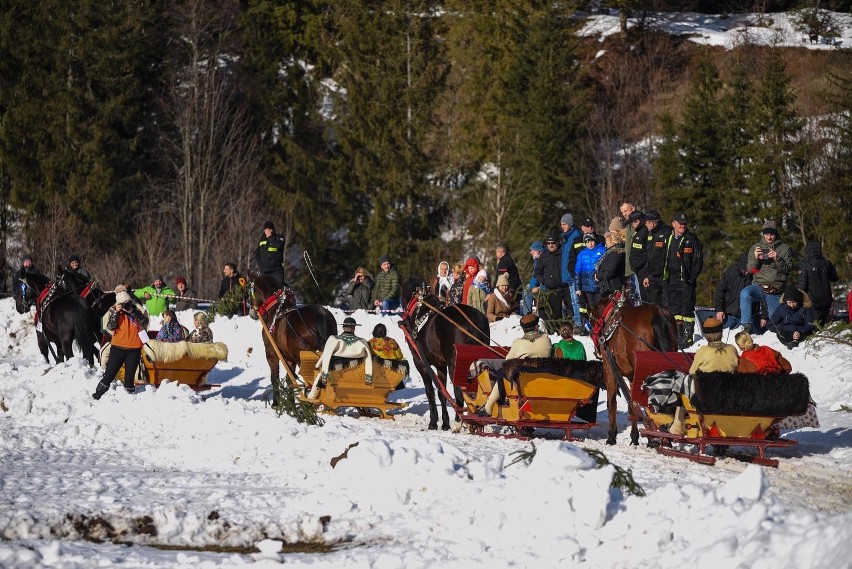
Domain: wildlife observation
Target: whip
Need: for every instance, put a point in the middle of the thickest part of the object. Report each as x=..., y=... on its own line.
x=309, y=264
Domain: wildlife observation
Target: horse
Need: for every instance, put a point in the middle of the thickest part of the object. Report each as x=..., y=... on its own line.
x=293, y=328
x=637, y=328
x=62, y=316
x=96, y=298
x=434, y=330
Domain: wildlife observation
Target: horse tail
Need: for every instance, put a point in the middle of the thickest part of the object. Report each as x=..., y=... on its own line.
x=664, y=339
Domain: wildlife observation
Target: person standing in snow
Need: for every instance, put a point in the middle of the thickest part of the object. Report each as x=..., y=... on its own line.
x=816, y=273
x=125, y=321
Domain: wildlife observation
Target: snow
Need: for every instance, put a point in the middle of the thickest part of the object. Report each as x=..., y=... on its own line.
x=173, y=478
x=725, y=31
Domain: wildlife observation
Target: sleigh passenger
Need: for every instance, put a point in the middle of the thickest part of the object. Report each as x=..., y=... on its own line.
x=344, y=345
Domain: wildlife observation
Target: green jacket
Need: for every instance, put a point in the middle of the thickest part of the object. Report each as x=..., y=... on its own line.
x=771, y=272
x=158, y=302
x=569, y=350
x=387, y=285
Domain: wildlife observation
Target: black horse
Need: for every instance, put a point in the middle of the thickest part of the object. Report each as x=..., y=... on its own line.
x=434, y=331
x=62, y=318
x=293, y=329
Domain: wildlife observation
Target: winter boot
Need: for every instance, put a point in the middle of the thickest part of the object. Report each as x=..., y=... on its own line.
x=747, y=328
x=688, y=334
x=314, y=393
x=100, y=390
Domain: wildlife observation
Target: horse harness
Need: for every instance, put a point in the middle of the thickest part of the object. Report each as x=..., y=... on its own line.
x=275, y=299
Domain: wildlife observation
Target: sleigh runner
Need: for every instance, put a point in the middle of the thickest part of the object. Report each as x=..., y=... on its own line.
x=346, y=386
x=722, y=410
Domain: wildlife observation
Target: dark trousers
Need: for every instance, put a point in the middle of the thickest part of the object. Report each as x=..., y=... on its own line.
x=118, y=356
x=681, y=300
x=278, y=276
x=656, y=291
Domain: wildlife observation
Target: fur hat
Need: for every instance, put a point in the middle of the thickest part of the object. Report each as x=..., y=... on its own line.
x=711, y=325
x=122, y=297
x=792, y=293
x=529, y=322
x=268, y=225
x=349, y=321
x=616, y=224
x=567, y=219
x=769, y=226
x=503, y=280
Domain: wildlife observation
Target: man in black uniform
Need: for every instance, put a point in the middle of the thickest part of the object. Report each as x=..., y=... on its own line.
x=684, y=264
x=548, y=273
x=269, y=254
x=654, y=280
x=638, y=257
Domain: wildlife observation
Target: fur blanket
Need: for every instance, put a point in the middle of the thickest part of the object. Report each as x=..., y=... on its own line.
x=168, y=352
x=773, y=395
x=590, y=371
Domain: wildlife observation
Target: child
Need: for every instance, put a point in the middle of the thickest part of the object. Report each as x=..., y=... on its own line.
x=202, y=333
x=171, y=330
x=588, y=289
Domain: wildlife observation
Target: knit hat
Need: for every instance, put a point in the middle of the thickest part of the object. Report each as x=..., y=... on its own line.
x=120, y=288
x=268, y=225
x=157, y=277
x=552, y=237
x=769, y=226
x=792, y=293
x=711, y=325
x=503, y=280
x=73, y=258
x=180, y=280
x=652, y=215
x=589, y=237
x=122, y=297
x=529, y=322
x=384, y=259
x=349, y=321
x=680, y=218
x=27, y=258
x=617, y=224
x=537, y=246
x=482, y=273
x=567, y=219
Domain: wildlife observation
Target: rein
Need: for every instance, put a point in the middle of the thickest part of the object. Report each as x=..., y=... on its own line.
x=458, y=326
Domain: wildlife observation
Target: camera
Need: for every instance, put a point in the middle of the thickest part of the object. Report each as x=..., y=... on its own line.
x=127, y=305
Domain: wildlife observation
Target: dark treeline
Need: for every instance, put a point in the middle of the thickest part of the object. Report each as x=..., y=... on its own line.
x=157, y=136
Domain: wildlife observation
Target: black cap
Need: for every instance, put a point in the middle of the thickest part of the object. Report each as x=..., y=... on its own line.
x=268, y=225
x=652, y=215
x=588, y=222
x=680, y=218
x=73, y=258
x=636, y=216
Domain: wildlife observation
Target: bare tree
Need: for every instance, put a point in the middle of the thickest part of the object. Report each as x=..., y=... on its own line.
x=215, y=156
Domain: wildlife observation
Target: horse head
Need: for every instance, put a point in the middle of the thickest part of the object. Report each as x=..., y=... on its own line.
x=27, y=290
x=419, y=306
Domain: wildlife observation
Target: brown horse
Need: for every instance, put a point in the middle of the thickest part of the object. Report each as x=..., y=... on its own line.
x=293, y=328
x=641, y=328
x=432, y=332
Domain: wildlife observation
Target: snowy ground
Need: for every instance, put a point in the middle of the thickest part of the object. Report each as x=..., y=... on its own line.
x=729, y=31
x=171, y=478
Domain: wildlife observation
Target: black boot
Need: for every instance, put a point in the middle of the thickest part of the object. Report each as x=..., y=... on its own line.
x=680, y=337
x=688, y=333
x=99, y=391
x=747, y=328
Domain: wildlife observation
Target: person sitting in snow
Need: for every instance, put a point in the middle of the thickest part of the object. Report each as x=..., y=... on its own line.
x=344, y=345
x=792, y=321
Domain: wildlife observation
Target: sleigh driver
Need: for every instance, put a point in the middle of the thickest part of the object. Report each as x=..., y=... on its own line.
x=344, y=345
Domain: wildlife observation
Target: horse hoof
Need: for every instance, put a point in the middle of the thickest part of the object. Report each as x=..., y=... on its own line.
x=457, y=425
x=610, y=441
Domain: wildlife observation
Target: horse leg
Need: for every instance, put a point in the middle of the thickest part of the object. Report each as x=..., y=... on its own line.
x=445, y=417
x=67, y=349
x=43, y=346
x=428, y=386
x=611, y=408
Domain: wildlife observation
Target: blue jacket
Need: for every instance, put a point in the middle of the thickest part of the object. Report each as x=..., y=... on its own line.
x=789, y=321
x=567, y=239
x=587, y=259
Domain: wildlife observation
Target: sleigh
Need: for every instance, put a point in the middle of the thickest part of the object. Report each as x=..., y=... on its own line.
x=346, y=388
x=542, y=393
x=724, y=410
x=186, y=363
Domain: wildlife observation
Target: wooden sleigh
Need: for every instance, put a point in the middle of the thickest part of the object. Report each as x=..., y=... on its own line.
x=346, y=388
x=726, y=410
x=186, y=363
x=542, y=393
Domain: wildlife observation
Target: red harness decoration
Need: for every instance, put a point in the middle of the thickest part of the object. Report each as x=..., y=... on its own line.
x=269, y=303
x=599, y=323
x=42, y=295
x=88, y=290
x=412, y=305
